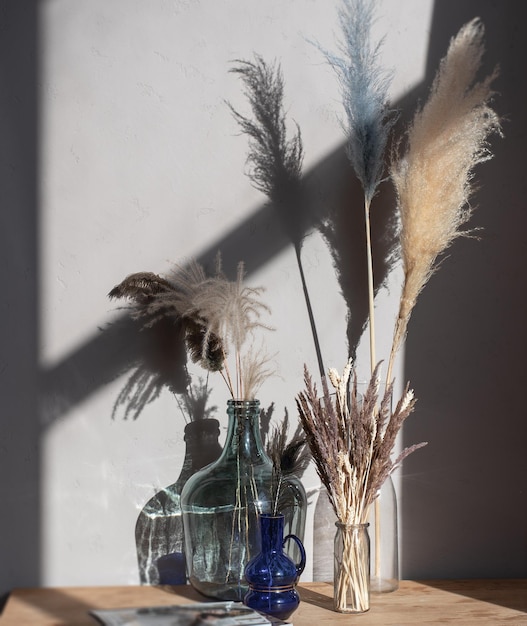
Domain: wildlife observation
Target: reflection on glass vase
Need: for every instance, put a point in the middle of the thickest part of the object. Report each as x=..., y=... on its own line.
x=384, y=572
x=221, y=504
x=159, y=527
x=384, y=561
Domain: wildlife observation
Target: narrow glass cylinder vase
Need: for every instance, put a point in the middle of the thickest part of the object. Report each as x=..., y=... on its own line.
x=383, y=531
x=384, y=557
x=221, y=504
x=351, y=584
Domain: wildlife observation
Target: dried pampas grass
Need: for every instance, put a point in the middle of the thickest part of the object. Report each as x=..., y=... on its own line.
x=364, y=85
x=433, y=178
x=218, y=316
x=351, y=440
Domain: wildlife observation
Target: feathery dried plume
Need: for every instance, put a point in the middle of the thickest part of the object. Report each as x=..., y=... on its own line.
x=434, y=178
x=289, y=457
x=215, y=312
x=364, y=86
x=351, y=440
x=140, y=287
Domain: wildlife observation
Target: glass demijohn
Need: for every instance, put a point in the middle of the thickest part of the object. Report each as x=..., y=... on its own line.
x=221, y=504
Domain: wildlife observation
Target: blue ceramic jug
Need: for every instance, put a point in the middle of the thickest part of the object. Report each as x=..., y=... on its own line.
x=271, y=574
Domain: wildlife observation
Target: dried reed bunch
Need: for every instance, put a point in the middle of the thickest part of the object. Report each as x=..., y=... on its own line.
x=218, y=317
x=351, y=441
x=352, y=438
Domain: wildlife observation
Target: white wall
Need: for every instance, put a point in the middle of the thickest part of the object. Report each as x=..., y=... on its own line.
x=141, y=165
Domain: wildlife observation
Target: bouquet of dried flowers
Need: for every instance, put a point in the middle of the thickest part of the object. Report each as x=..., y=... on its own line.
x=352, y=441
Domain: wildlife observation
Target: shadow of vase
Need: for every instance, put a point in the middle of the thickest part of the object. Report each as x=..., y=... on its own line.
x=159, y=527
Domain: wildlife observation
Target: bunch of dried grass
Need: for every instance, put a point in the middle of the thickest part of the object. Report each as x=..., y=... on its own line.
x=352, y=438
x=351, y=443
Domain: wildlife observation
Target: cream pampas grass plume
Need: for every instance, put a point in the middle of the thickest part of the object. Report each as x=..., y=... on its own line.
x=434, y=177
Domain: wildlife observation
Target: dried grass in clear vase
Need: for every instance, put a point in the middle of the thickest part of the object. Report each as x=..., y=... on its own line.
x=352, y=568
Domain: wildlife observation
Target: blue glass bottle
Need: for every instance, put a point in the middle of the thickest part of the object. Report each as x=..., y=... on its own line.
x=272, y=575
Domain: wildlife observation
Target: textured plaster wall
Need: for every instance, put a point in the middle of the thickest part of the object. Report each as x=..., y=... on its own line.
x=119, y=154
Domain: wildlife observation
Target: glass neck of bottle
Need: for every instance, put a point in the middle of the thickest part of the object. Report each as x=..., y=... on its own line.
x=243, y=436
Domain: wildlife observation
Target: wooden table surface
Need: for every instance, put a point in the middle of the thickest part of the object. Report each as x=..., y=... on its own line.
x=466, y=602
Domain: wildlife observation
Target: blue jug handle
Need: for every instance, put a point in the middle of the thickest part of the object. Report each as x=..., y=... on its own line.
x=299, y=566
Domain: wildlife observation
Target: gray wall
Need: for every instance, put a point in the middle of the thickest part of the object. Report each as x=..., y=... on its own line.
x=75, y=221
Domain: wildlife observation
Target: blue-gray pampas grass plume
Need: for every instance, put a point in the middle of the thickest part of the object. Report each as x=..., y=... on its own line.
x=364, y=86
x=434, y=176
x=274, y=159
x=369, y=119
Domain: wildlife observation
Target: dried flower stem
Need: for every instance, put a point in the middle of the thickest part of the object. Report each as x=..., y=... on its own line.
x=351, y=442
x=352, y=572
x=371, y=293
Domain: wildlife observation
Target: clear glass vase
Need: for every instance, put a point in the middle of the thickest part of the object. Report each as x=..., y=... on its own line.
x=323, y=537
x=384, y=559
x=159, y=527
x=351, y=584
x=221, y=504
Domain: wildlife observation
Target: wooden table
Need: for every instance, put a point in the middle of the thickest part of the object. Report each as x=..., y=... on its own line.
x=466, y=602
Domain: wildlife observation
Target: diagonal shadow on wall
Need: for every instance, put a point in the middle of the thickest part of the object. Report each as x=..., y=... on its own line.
x=329, y=190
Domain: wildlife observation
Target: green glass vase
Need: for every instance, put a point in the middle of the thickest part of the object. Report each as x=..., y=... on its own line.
x=221, y=504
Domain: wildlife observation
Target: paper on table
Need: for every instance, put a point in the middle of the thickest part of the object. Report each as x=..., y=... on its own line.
x=197, y=614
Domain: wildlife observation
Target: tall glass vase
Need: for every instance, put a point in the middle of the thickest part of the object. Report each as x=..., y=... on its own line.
x=323, y=537
x=383, y=532
x=221, y=504
x=384, y=561
x=159, y=526
x=351, y=582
